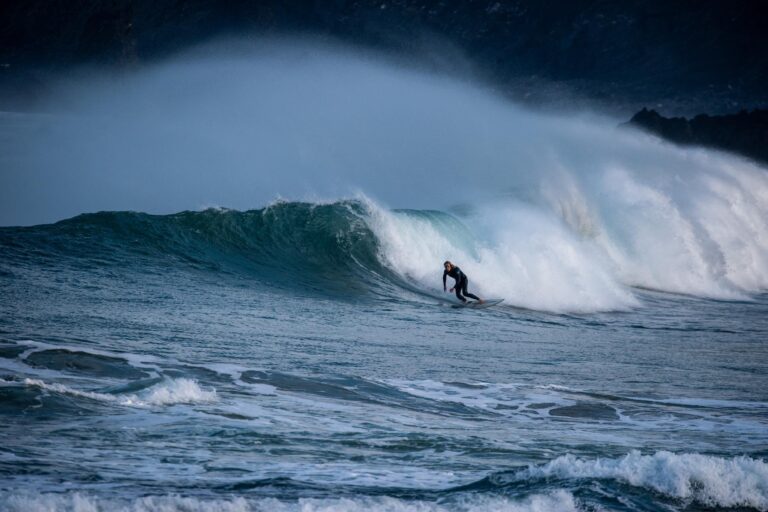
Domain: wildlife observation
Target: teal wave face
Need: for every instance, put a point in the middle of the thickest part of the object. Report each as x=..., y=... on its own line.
x=315, y=246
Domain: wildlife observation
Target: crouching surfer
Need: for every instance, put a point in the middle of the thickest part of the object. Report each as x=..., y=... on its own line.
x=461, y=282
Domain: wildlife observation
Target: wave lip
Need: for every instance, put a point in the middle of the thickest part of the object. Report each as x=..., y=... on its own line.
x=709, y=480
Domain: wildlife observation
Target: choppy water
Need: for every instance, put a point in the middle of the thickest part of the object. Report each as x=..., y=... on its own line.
x=282, y=359
x=303, y=356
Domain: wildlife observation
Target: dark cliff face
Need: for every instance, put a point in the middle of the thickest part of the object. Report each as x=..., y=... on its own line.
x=745, y=133
x=646, y=51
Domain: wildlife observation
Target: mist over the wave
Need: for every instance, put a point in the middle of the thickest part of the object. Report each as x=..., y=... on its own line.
x=241, y=125
x=565, y=211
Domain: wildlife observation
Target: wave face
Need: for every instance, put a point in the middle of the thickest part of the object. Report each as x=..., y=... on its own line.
x=294, y=244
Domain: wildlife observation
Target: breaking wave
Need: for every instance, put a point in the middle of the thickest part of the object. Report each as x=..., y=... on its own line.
x=557, y=259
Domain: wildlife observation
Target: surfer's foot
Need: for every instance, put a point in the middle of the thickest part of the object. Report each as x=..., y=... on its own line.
x=480, y=301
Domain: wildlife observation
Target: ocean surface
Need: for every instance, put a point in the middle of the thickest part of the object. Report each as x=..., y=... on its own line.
x=161, y=353
x=303, y=356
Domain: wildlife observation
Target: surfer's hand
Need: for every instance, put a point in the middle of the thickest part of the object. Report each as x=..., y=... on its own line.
x=452, y=289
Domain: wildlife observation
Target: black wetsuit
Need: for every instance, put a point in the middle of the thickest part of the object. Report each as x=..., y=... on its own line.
x=461, y=283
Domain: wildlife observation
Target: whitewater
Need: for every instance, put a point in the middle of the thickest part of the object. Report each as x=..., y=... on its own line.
x=221, y=290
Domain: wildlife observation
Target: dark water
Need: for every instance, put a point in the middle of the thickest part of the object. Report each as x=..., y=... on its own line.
x=277, y=360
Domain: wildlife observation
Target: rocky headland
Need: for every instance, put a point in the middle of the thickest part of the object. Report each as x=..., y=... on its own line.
x=745, y=133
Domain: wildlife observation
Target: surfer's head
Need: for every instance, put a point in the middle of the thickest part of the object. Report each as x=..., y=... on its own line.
x=448, y=265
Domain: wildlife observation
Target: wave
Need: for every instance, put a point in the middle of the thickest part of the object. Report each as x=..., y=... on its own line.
x=560, y=257
x=285, y=243
x=709, y=480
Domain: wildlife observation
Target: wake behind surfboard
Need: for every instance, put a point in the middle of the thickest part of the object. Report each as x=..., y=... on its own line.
x=476, y=305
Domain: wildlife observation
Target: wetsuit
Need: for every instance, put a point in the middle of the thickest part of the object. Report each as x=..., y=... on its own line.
x=461, y=283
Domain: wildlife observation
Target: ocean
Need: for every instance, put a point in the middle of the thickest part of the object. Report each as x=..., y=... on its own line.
x=280, y=359
x=295, y=350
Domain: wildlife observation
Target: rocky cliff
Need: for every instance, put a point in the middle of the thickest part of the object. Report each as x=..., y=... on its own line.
x=745, y=133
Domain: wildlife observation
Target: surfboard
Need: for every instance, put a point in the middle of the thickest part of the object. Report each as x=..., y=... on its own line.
x=476, y=305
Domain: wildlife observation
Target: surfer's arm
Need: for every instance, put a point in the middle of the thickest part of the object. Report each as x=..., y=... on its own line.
x=445, y=273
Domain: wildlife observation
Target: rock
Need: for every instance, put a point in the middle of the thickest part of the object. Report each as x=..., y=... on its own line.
x=745, y=133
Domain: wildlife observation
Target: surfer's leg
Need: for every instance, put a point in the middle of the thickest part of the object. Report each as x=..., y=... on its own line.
x=457, y=288
x=464, y=285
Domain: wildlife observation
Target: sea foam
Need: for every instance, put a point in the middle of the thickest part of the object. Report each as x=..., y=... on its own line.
x=559, y=500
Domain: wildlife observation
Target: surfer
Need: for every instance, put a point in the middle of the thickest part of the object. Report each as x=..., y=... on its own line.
x=461, y=282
